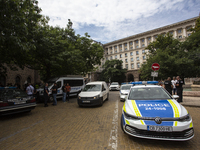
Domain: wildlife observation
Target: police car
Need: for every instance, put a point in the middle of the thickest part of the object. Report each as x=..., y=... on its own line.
x=124, y=90
x=151, y=112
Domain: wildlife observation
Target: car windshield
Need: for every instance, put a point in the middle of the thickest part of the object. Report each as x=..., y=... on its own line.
x=92, y=87
x=11, y=94
x=126, y=87
x=148, y=93
x=114, y=83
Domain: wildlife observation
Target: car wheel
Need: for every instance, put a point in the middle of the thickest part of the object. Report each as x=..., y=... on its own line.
x=107, y=97
x=122, y=124
x=101, y=101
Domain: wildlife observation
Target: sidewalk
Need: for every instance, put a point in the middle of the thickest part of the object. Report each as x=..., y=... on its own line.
x=191, y=101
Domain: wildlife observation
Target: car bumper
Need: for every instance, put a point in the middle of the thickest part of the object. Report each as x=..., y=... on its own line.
x=89, y=102
x=114, y=89
x=122, y=97
x=136, y=129
x=17, y=109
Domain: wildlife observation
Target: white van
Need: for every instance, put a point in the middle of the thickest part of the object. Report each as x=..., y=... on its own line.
x=94, y=93
x=76, y=83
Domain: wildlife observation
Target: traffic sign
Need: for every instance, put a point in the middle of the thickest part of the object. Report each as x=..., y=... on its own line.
x=154, y=74
x=155, y=66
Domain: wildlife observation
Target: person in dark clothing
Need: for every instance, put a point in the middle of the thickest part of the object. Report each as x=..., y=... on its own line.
x=168, y=85
x=54, y=93
x=64, y=92
x=179, y=87
x=46, y=95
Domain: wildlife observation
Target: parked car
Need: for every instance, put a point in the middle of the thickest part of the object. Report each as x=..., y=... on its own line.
x=151, y=112
x=124, y=90
x=114, y=86
x=14, y=100
x=94, y=93
x=76, y=83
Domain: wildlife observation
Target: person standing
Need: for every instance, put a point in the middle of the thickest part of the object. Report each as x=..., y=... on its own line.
x=179, y=87
x=46, y=95
x=68, y=89
x=168, y=85
x=30, y=90
x=54, y=93
x=174, y=85
x=64, y=92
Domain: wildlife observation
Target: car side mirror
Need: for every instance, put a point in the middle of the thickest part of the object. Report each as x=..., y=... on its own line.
x=175, y=96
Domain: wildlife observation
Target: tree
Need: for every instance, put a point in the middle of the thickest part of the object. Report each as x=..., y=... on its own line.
x=19, y=20
x=59, y=51
x=170, y=55
x=113, y=71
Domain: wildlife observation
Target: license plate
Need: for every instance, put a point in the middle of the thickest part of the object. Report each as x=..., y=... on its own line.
x=22, y=102
x=86, y=101
x=159, y=128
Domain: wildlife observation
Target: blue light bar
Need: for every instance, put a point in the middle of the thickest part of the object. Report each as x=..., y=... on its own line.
x=145, y=82
x=11, y=87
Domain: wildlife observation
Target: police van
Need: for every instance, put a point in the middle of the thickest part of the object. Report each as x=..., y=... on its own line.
x=76, y=83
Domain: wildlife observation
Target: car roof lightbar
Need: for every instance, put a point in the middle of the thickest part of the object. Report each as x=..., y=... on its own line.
x=11, y=87
x=144, y=82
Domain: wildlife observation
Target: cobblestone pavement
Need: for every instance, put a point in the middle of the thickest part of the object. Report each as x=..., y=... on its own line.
x=69, y=127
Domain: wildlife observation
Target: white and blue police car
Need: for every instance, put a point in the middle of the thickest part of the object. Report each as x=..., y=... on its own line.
x=149, y=111
x=124, y=90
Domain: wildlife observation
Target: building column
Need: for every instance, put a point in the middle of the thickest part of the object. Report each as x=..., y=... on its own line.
x=118, y=48
x=123, y=47
x=139, y=43
x=151, y=38
x=128, y=46
x=145, y=41
x=184, y=32
x=175, y=34
x=133, y=45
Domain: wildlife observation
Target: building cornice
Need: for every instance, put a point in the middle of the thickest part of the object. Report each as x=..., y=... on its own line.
x=151, y=31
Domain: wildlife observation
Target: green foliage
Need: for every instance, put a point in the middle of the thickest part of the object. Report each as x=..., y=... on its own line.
x=19, y=19
x=113, y=71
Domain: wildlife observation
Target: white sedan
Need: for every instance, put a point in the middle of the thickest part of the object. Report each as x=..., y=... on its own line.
x=150, y=112
x=124, y=90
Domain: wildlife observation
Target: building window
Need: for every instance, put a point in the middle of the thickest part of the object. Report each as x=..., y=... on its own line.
x=142, y=40
x=189, y=34
x=136, y=41
x=115, y=47
x=120, y=55
x=137, y=52
x=131, y=53
x=115, y=51
x=125, y=54
x=149, y=38
x=115, y=56
x=132, y=66
x=143, y=45
x=131, y=47
x=143, y=51
x=126, y=60
x=137, y=58
x=120, y=45
x=125, y=49
x=131, y=59
x=126, y=66
x=125, y=44
x=189, y=27
x=138, y=65
x=144, y=57
x=179, y=30
x=180, y=36
x=155, y=36
x=171, y=32
x=111, y=52
x=137, y=46
x=120, y=50
x=131, y=43
x=110, y=57
x=106, y=58
x=17, y=80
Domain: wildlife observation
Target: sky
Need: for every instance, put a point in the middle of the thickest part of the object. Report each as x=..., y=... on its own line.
x=109, y=20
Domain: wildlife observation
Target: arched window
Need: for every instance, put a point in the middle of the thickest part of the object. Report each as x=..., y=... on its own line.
x=2, y=81
x=28, y=80
x=17, y=80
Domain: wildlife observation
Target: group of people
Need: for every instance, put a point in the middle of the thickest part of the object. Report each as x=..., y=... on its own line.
x=66, y=89
x=175, y=85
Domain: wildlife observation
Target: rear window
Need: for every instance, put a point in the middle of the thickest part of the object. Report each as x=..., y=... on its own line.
x=127, y=87
x=6, y=94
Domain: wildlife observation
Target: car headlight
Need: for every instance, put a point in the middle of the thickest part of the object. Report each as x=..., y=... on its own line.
x=96, y=97
x=185, y=118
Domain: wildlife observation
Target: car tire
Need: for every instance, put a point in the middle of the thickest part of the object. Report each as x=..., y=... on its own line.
x=107, y=97
x=101, y=101
x=122, y=124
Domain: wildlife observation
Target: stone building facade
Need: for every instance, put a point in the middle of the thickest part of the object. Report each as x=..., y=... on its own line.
x=20, y=77
x=131, y=50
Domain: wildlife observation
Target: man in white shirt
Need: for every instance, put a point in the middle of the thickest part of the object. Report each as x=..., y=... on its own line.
x=174, y=85
x=30, y=90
